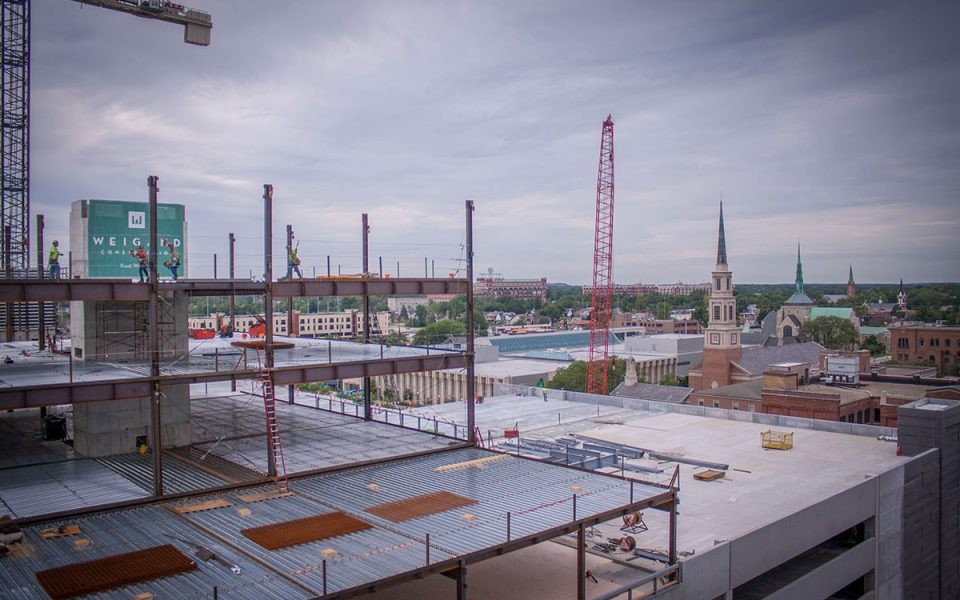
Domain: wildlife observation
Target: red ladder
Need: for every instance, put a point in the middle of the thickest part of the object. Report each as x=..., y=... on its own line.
x=273, y=432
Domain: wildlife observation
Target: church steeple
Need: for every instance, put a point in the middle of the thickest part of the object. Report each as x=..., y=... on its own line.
x=799, y=297
x=799, y=281
x=851, y=285
x=902, y=297
x=721, y=241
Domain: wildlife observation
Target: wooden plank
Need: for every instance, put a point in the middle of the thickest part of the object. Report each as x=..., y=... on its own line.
x=184, y=509
x=261, y=496
x=478, y=463
x=59, y=532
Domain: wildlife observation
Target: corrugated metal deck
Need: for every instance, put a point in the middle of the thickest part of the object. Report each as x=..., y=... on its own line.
x=538, y=496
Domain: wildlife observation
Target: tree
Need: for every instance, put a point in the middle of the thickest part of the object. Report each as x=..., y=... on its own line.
x=873, y=345
x=663, y=310
x=669, y=379
x=404, y=313
x=574, y=376
x=833, y=333
x=434, y=333
x=396, y=338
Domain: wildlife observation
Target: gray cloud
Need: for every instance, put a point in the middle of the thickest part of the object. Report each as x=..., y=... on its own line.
x=832, y=123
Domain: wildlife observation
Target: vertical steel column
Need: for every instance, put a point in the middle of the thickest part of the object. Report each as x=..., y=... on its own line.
x=41, y=313
x=461, y=580
x=7, y=260
x=214, y=265
x=233, y=296
x=581, y=564
x=268, y=299
x=367, y=412
x=672, y=554
x=471, y=384
x=290, y=332
x=156, y=442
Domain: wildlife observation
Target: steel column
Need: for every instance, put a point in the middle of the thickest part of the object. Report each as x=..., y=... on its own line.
x=367, y=412
x=155, y=422
x=471, y=384
x=581, y=563
x=233, y=295
x=41, y=313
x=290, y=332
x=268, y=298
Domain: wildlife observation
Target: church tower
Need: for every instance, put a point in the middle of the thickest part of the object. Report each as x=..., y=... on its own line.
x=902, y=297
x=721, y=342
x=851, y=286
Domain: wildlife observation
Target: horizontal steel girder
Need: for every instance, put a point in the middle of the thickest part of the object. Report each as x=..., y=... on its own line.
x=139, y=387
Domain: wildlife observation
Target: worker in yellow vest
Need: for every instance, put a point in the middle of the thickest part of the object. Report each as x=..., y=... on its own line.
x=55, y=255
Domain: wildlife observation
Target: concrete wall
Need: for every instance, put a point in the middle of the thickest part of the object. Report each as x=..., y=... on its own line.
x=115, y=332
x=931, y=497
x=720, y=570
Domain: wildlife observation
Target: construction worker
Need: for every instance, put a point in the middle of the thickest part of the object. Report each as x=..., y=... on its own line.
x=173, y=262
x=55, y=260
x=293, y=262
x=141, y=256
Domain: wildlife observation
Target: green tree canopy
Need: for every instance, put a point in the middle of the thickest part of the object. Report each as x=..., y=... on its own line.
x=574, y=376
x=434, y=333
x=833, y=333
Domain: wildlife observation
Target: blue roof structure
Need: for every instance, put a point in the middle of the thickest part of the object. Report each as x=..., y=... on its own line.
x=545, y=341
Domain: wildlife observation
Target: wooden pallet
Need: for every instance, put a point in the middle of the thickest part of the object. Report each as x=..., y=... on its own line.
x=709, y=475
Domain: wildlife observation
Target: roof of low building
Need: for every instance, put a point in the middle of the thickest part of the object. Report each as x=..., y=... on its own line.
x=832, y=311
x=544, y=341
x=871, y=330
x=650, y=391
x=748, y=390
x=756, y=360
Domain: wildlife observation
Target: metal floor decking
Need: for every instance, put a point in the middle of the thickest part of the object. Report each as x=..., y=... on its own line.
x=229, y=446
x=538, y=495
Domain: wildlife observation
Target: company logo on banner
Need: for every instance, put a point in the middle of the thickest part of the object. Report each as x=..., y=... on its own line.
x=136, y=220
x=116, y=229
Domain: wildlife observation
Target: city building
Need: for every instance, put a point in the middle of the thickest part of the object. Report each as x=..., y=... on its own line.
x=494, y=285
x=939, y=346
x=344, y=324
x=642, y=289
x=686, y=347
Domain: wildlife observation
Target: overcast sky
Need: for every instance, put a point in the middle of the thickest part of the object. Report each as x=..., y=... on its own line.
x=835, y=124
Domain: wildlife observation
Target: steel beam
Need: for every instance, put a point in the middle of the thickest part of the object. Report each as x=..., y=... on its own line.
x=66, y=290
x=140, y=387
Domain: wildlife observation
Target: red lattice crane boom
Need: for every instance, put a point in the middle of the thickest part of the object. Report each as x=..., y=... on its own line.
x=597, y=366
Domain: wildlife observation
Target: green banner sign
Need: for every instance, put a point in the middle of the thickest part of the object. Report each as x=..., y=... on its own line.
x=116, y=229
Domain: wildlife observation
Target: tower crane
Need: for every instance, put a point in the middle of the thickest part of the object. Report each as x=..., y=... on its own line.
x=15, y=103
x=597, y=365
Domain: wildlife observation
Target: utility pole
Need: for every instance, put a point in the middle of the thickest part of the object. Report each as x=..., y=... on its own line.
x=290, y=331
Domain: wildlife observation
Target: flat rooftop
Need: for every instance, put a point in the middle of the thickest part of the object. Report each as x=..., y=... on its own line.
x=760, y=486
